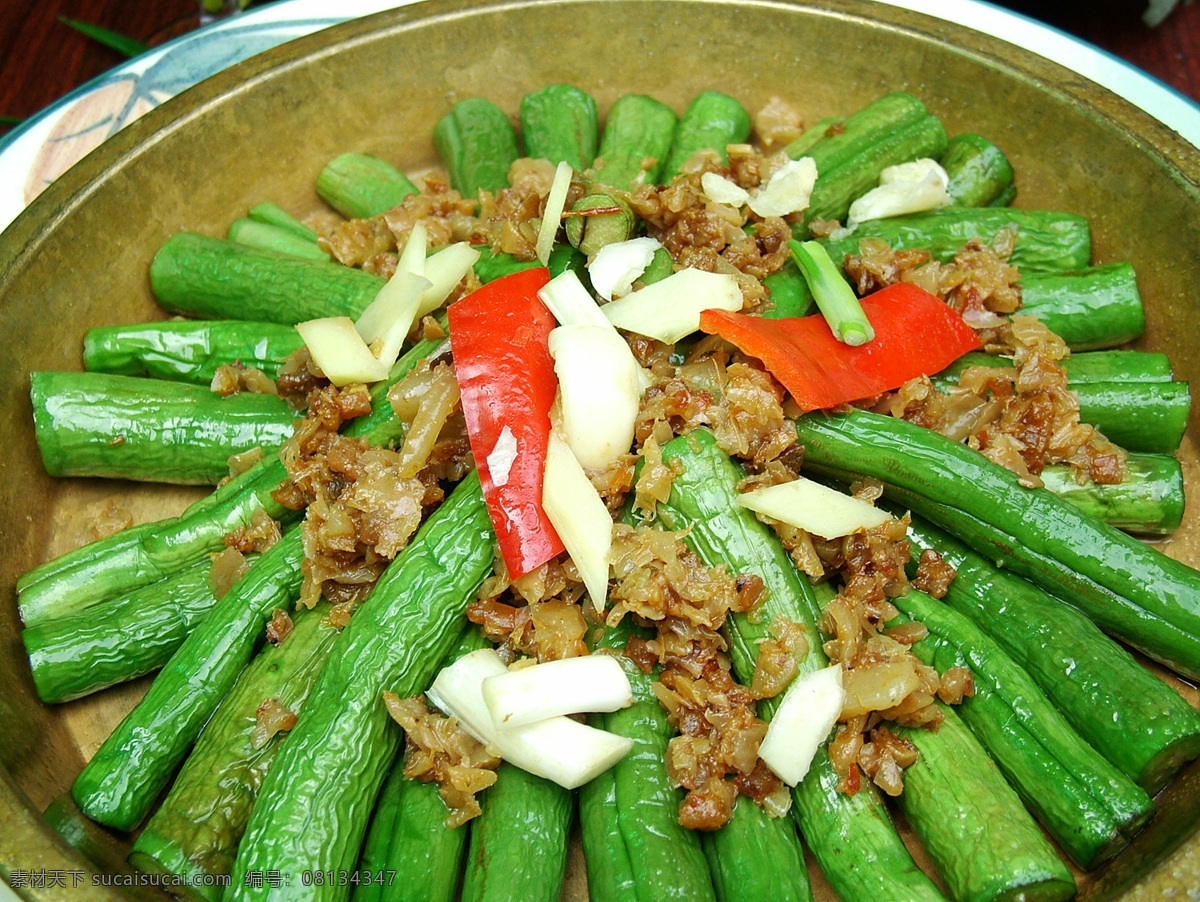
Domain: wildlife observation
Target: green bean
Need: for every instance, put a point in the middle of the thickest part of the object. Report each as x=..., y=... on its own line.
x=360, y=186
x=637, y=137
x=188, y=350
x=303, y=820
x=150, y=430
x=712, y=121
x=477, y=145
x=559, y=123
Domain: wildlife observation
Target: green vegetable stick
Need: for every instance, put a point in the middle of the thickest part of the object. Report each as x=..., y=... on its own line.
x=267, y=237
x=493, y=265
x=712, y=121
x=756, y=856
x=983, y=842
x=837, y=188
x=789, y=293
x=1082, y=368
x=273, y=214
x=559, y=123
x=660, y=267
x=188, y=350
x=1129, y=715
x=145, y=554
x=305, y=821
x=892, y=129
x=1091, y=307
x=1005, y=197
x=1129, y=589
x=408, y=843
x=609, y=870
x=195, y=832
x=1047, y=242
x=107, y=644
x=1148, y=501
x=372, y=861
x=424, y=859
x=98, y=846
x=119, y=784
x=518, y=847
x=1118, y=365
x=149, y=430
x=840, y=142
x=811, y=135
x=213, y=279
x=637, y=137
x=477, y=145
x=979, y=171
x=360, y=186
x=1090, y=808
x=597, y=220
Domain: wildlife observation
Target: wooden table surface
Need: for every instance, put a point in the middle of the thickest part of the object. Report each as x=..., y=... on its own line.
x=42, y=58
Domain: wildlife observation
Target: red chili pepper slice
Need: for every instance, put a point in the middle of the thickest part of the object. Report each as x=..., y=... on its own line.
x=498, y=335
x=915, y=334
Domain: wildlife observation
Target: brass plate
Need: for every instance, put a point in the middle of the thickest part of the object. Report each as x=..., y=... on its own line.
x=78, y=257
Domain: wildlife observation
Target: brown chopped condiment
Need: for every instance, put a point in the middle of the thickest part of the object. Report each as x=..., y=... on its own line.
x=256, y=536
x=362, y=506
x=435, y=401
x=382, y=264
x=884, y=758
x=233, y=378
x=447, y=215
x=715, y=756
x=543, y=620
x=240, y=463
x=227, y=568
x=110, y=519
x=719, y=735
x=957, y=683
x=506, y=219
x=614, y=481
x=657, y=577
x=272, y=717
x=654, y=482
x=279, y=627
x=823, y=228
x=355, y=241
x=701, y=234
x=934, y=574
x=779, y=658
x=431, y=329
x=736, y=399
x=439, y=751
x=298, y=378
x=339, y=614
x=907, y=633
x=777, y=123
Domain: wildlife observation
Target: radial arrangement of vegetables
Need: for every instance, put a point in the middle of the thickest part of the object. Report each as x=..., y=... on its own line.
x=707, y=484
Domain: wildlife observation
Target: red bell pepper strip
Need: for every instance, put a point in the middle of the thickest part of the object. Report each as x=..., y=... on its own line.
x=498, y=335
x=915, y=334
